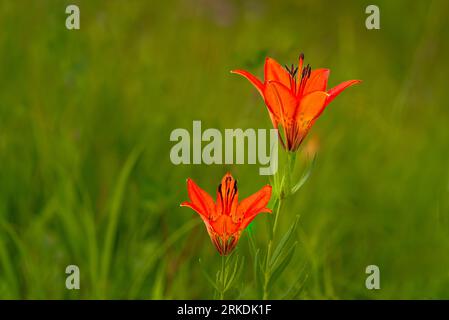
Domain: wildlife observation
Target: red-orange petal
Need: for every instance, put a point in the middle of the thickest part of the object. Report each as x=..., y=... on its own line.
x=227, y=195
x=281, y=102
x=335, y=91
x=310, y=107
x=273, y=71
x=224, y=226
x=250, y=207
x=251, y=78
x=317, y=81
x=200, y=201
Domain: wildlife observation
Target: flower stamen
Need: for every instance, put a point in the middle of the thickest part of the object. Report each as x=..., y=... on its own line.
x=292, y=71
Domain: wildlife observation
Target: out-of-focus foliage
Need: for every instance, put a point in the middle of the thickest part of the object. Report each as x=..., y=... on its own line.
x=85, y=119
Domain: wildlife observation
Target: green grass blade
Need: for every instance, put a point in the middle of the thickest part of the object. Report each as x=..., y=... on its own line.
x=114, y=213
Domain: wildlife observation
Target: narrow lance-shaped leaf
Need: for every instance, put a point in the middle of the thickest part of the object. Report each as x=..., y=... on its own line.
x=296, y=293
x=283, y=243
x=296, y=288
x=209, y=279
x=258, y=271
x=282, y=264
x=304, y=177
x=237, y=270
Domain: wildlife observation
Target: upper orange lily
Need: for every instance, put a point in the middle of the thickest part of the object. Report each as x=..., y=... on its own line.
x=294, y=99
x=227, y=218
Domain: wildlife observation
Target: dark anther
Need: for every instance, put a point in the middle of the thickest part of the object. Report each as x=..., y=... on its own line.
x=295, y=71
x=304, y=72
x=291, y=70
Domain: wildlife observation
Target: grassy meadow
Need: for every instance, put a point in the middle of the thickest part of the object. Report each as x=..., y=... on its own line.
x=85, y=121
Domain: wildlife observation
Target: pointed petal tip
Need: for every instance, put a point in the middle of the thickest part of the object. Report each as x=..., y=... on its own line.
x=353, y=82
x=240, y=72
x=335, y=91
x=251, y=78
x=271, y=60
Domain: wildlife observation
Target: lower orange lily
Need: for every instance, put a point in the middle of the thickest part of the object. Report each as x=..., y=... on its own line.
x=226, y=218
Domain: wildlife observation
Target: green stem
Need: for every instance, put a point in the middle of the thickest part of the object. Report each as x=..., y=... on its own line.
x=267, y=274
x=291, y=159
x=268, y=266
x=276, y=217
x=222, y=277
x=285, y=182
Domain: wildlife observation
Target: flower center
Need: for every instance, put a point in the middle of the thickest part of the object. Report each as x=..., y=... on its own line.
x=227, y=190
x=292, y=71
x=295, y=77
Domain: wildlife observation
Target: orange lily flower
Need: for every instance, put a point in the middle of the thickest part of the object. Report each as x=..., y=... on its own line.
x=227, y=218
x=294, y=99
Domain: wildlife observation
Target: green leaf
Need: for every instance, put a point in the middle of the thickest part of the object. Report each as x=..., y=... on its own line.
x=297, y=292
x=304, y=177
x=296, y=288
x=252, y=244
x=208, y=277
x=283, y=243
x=159, y=283
x=237, y=270
x=114, y=214
x=155, y=255
x=257, y=271
x=282, y=264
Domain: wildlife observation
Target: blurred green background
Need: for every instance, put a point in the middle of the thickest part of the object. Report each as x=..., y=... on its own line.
x=85, y=119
